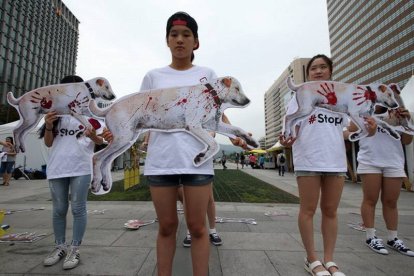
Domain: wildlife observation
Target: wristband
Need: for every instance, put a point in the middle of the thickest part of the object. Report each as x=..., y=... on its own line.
x=49, y=129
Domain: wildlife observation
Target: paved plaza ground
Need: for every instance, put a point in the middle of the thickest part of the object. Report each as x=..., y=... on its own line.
x=272, y=247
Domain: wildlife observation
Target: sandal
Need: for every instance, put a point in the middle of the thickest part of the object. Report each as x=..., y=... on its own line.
x=6, y=184
x=309, y=267
x=328, y=265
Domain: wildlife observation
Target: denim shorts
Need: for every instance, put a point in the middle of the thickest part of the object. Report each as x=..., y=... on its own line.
x=180, y=179
x=6, y=167
x=312, y=173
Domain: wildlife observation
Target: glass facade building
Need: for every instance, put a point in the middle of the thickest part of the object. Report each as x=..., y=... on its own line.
x=38, y=46
x=372, y=41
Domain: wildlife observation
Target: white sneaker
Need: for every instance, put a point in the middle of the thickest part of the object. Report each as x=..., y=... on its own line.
x=72, y=259
x=399, y=246
x=55, y=256
x=376, y=245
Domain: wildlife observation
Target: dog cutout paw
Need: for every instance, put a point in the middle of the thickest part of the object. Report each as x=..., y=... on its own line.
x=105, y=186
x=95, y=186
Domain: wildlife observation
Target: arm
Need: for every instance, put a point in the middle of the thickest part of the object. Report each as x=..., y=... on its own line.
x=370, y=125
x=236, y=141
x=49, y=137
x=97, y=139
x=6, y=144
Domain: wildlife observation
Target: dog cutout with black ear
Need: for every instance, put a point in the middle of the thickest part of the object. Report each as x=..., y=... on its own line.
x=357, y=101
x=194, y=109
x=68, y=98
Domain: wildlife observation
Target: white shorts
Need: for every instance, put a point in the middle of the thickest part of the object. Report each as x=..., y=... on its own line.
x=385, y=171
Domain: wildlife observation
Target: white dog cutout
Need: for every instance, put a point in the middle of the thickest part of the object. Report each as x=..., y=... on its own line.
x=358, y=101
x=390, y=121
x=68, y=98
x=194, y=109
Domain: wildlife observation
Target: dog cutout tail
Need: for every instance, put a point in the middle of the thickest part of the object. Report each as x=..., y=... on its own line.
x=97, y=111
x=11, y=99
x=291, y=85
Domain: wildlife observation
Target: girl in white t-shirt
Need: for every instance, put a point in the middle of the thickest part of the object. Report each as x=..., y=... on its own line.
x=381, y=167
x=68, y=169
x=319, y=159
x=169, y=160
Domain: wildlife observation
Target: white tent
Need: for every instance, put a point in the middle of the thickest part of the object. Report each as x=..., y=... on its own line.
x=36, y=153
x=407, y=94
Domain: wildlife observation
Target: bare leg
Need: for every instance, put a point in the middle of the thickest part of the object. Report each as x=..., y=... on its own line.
x=309, y=190
x=371, y=187
x=391, y=188
x=211, y=210
x=196, y=202
x=6, y=179
x=330, y=196
x=165, y=203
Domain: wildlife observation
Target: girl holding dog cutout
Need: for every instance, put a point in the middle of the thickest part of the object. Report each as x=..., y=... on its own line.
x=169, y=161
x=320, y=166
x=381, y=167
x=68, y=169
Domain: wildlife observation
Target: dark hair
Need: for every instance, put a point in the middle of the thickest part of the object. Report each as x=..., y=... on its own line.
x=66, y=79
x=11, y=138
x=184, y=19
x=325, y=58
x=71, y=79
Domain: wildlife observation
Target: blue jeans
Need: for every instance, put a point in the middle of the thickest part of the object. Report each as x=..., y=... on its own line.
x=59, y=188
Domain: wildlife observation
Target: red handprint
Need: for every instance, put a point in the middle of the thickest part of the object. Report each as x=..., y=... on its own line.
x=366, y=95
x=328, y=93
x=44, y=102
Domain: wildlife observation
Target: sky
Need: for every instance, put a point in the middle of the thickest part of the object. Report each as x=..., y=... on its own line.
x=252, y=41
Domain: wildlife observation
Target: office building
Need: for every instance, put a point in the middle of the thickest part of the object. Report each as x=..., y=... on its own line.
x=372, y=41
x=277, y=97
x=38, y=46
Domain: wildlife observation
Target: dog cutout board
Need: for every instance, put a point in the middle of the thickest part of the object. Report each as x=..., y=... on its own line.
x=357, y=101
x=68, y=98
x=194, y=109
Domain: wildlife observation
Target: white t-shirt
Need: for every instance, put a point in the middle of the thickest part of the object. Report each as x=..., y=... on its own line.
x=173, y=153
x=70, y=156
x=320, y=145
x=381, y=150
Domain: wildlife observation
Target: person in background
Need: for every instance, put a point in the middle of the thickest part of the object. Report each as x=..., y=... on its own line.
x=281, y=163
x=8, y=160
x=320, y=166
x=242, y=160
x=252, y=160
x=223, y=160
x=381, y=168
x=68, y=171
x=261, y=161
x=237, y=160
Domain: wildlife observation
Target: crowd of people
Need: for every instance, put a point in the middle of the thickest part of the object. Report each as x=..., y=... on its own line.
x=319, y=160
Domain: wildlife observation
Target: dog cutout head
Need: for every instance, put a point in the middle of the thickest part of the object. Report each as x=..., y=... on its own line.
x=391, y=121
x=232, y=94
x=103, y=89
x=386, y=96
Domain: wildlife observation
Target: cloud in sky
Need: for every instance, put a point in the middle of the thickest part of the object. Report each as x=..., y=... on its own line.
x=253, y=41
